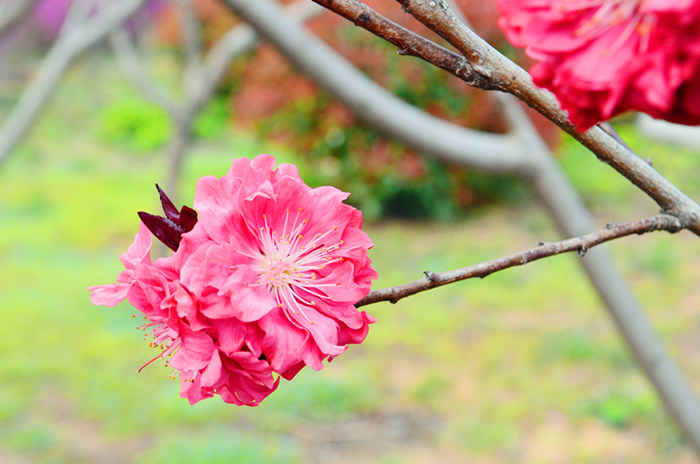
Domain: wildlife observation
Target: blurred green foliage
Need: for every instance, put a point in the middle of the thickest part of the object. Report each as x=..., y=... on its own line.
x=30, y=439
x=136, y=124
x=323, y=399
x=487, y=362
x=214, y=119
x=487, y=436
x=141, y=126
x=218, y=446
x=618, y=408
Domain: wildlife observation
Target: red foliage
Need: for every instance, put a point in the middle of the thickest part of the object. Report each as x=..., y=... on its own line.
x=268, y=82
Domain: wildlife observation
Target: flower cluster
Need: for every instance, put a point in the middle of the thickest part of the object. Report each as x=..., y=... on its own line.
x=603, y=57
x=263, y=281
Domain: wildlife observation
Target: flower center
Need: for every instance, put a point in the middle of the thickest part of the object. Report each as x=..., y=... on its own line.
x=611, y=13
x=288, y=263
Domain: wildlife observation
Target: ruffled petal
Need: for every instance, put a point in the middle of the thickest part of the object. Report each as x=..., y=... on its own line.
x=604, y=58
x=262, y=285
x=108, y=295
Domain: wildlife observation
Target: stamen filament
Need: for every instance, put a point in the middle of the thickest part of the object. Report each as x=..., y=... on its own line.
x=288, y=263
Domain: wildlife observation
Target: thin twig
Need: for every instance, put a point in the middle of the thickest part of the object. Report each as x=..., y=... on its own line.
x=407, y=42
x=504, y=75
x=539, y=169
x=68, y=47
x=76, y=16
x=203, y=74
x=244, y=37
x=131, y=64
x=375, y=106
x=192, y=40
x=484, y=67
x=13, y=13
x=579, y=244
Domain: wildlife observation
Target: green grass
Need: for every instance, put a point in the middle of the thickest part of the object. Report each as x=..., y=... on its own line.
x=487, y=362
x=219, y=446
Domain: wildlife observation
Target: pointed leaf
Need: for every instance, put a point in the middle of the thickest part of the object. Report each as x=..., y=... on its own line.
x=188, y=218
x=171, y=211
x=164, y=229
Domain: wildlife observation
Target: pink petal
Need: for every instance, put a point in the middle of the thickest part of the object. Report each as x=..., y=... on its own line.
x=195, y=350
x=108, y=295
x=139, y=251
x=283, y=342
x=230, y=335
x=247, y=300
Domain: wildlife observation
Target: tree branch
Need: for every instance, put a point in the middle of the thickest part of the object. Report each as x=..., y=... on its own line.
x=540, y=170
x=192, y=40
x=579, y=244
x=487, y=69
x=203, y=78
x=668, y=132
x=504, y=75
x=67, y=48
x=554, y=191
x=408, y=42
x=76, y=16
x=132, y=67
x=242, y=38
x=13, y=13
x=675, y=392
x=374, y=105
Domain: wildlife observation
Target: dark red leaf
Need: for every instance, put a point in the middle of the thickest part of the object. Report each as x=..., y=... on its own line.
x=164, y=229
x=188, y=218
x=169, y=229
x=169, y=208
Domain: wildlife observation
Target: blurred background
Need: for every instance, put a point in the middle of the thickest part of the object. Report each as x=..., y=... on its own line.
x=524, y=366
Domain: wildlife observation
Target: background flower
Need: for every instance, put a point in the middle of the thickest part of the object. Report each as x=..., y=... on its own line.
x=49, y=15
x=601, y=58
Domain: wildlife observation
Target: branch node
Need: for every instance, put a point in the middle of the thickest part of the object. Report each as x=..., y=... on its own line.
x=431, y=276
x=672, y=224
x=582, y=250
x=395, y=296
x=539, y=244
x=363, y=19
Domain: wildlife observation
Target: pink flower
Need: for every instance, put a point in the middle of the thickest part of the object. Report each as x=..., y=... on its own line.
x=264, y=281
x=50, y=14
x=603, y=57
